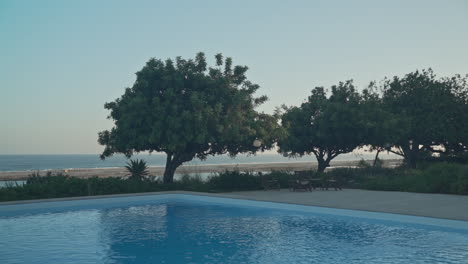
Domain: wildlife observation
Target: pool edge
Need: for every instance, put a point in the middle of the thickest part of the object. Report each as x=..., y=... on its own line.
x=217, y=195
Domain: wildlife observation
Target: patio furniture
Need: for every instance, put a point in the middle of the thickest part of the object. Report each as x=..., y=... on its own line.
x=316, y=180
x=332, y=183
x=329, y=182
x=316, y=183
x=302, y=182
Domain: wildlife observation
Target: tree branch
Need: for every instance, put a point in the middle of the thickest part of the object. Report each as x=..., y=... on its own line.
x=397, y=153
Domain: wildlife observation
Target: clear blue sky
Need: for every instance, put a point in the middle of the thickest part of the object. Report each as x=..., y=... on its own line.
x=60, y=61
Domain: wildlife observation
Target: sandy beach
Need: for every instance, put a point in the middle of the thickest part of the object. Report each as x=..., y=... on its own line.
x=191, y=169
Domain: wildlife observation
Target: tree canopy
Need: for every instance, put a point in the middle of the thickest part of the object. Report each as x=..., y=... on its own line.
x=381, y=127
x=431, y=114
x=188, y=110
x=324, y=126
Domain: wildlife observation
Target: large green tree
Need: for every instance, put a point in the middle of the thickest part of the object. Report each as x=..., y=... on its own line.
x=456, y=141
x=188, y=110
x=431, y=112
x=324, y=126
x=381, y=127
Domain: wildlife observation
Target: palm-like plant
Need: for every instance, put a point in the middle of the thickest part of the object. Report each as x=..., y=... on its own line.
x=137, y=169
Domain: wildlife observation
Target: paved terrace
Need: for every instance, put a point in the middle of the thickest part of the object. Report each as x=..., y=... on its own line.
x=430, y=205
x=419, y=204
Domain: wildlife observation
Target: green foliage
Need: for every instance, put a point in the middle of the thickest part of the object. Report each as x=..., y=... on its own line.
x=187, y=110
x=324, y=126
x=360, y=177
x=282, y=177
x=235, y=181
x=137, y=169
x=60, y=185
x=414, y=116
x=381, y=126
x=430, y=112
x=193, y=183
x=435, y=178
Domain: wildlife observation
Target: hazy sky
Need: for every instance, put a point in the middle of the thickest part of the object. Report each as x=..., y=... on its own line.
x=60, y=61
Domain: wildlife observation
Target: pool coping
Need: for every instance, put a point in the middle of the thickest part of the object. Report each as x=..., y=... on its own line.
x=233, y=200
x=237, y=196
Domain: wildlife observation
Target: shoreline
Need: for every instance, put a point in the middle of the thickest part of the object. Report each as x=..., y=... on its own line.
x=157, y=166
x=191, y=169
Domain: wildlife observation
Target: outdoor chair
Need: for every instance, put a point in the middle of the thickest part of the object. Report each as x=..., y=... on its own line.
x=316, y=181
x=301, y=182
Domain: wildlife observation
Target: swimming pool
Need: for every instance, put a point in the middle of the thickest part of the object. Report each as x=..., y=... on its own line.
x=180, y=228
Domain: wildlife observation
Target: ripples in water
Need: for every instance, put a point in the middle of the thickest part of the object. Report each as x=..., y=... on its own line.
x=194, y=233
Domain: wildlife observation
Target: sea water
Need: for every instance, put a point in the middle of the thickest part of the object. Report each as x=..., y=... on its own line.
x=51, y=162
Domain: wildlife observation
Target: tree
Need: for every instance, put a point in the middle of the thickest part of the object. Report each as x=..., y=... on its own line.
x=431, y=113
x=188, y=111
x=455, y=143
x=381, y=127
x=137, y=169
x=325, y=127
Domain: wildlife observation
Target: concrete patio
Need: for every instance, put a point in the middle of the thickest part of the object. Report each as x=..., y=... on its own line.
x=419, y=204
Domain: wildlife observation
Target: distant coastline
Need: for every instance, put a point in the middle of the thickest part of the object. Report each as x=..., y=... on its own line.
x=15, y=163
x=192, y=169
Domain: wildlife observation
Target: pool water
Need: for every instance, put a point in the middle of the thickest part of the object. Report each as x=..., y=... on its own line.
x=185, y=229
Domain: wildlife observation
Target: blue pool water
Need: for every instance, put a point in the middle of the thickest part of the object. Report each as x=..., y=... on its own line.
x=195, y=229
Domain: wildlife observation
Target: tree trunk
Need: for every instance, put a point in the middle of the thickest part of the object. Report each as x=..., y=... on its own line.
x=173, y=161
x=169, y=174
x=412, y=159
x=169, y=169
x=322, y=165
x=323, y=158
x=376, y=157
x=412, y=155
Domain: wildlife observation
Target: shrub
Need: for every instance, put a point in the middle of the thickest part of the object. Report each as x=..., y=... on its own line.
x=446, y=178
x=283, y=177
x=137, y=169
x=234, y=181
x=191, y=183
x=434, y=178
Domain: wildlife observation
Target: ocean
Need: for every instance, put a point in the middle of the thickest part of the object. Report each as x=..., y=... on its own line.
x=75, y=161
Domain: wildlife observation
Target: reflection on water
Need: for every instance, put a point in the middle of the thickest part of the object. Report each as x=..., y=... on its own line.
x=185, y=232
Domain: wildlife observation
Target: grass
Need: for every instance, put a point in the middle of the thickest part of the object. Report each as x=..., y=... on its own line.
x=431, y=178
